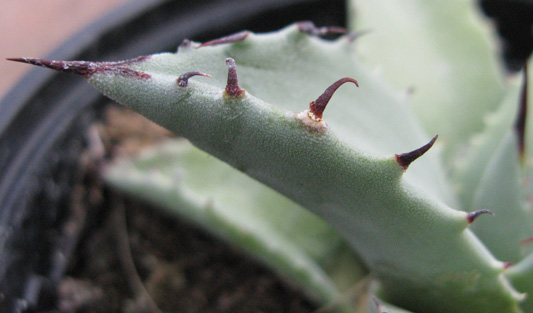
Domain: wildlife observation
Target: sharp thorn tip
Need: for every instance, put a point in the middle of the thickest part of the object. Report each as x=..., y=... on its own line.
x=405, y=159
x=88, y=68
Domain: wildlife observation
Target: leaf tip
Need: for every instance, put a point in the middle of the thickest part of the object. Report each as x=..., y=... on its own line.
x=78, y=67
x=88, y=68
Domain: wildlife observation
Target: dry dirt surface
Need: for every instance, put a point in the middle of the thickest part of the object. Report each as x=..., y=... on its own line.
x=135, y=258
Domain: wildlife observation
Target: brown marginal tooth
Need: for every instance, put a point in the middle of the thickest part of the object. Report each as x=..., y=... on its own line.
x=183, y=80
x=88, y=68
x=232, y=86
x=405, y=159
x=317, y=107
x=471, y=217
x=240, y=36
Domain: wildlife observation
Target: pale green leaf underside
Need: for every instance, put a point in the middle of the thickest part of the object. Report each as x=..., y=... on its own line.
x=289, y=239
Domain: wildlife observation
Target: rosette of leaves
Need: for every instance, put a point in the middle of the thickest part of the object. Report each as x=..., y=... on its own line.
x=257, y=101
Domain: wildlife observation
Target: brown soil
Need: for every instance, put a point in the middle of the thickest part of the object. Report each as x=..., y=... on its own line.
x=135, y=258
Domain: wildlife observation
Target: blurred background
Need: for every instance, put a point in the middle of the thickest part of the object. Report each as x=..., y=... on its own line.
x=33, y=28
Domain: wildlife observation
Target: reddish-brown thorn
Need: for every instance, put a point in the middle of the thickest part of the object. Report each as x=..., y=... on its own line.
x=232, y=87
x=506, y=265
x=317, y=107
x=471, y=217
x=405, y=159
x=88, y=68
x=520, y=124
x=310, y=29
x=183, y=80
x=240, y=36
x=527, y=240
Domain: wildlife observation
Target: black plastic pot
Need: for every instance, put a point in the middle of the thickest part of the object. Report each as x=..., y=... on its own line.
x=44, y=121
x=513, y=21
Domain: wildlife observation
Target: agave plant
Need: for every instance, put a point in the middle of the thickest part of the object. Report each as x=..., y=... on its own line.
x=345, y=193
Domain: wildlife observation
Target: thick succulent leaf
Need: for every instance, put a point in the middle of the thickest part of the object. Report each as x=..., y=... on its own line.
x=469, y=169
x=420, y=249
x=293, y=69
x=441, y=51
x=292, y=241
x=501, y=191
x=521, y=276
x=494, y=176
x=491, y=176
x=417, y=247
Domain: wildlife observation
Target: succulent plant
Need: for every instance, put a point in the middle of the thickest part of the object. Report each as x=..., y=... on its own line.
x=396, y=208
